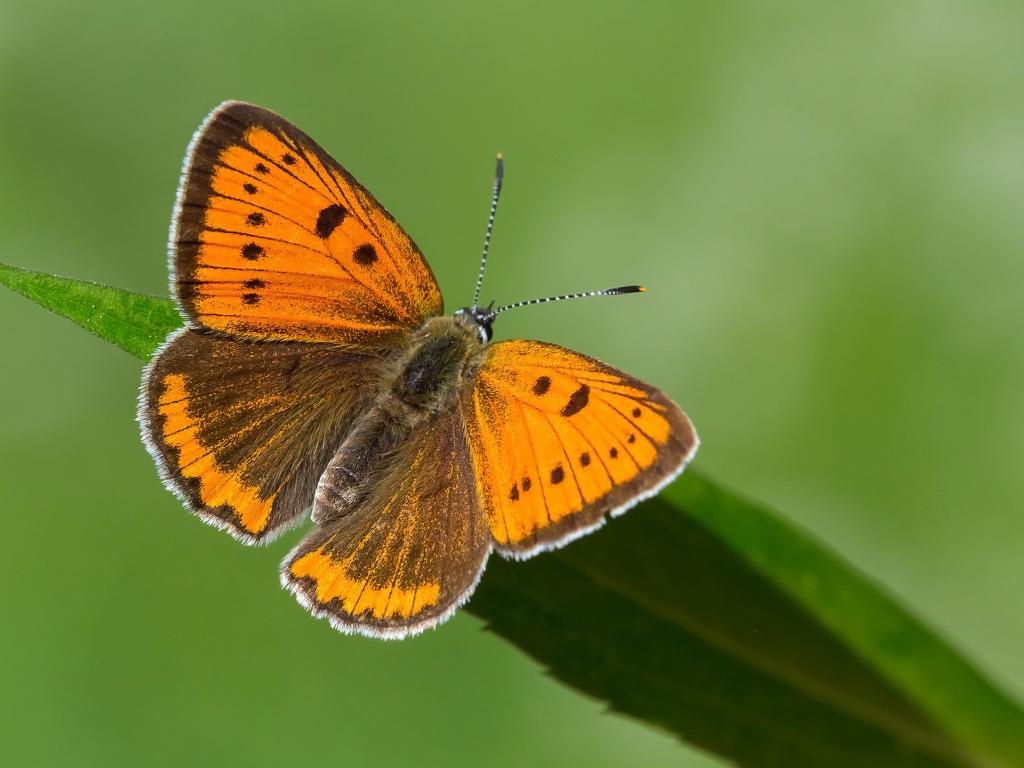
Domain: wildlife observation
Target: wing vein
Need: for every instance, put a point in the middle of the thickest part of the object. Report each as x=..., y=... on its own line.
x=533, y=452
x=568, y=461
x=596, y=453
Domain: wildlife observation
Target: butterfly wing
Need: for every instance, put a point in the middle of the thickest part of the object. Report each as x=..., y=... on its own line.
x=410, y=553
x=272, y=239
x=242, y=430
x=559, y=440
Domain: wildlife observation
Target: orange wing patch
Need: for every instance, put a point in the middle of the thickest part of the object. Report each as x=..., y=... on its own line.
x=559, y=439
x=217, y=488
x=356, y=596
x=274, y=240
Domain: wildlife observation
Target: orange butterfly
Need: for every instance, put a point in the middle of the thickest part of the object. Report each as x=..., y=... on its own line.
x=317, y=370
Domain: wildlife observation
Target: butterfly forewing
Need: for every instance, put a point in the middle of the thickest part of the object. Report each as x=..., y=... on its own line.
x=274, y=240
x=559, y=439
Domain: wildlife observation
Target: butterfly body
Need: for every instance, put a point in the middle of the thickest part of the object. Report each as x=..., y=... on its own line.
x=317, y=373
x=425, y=380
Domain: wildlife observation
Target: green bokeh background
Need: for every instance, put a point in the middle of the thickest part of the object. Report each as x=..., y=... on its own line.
x=825, y=201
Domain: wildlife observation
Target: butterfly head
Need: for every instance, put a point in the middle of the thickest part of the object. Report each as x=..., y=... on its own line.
x=480, y=319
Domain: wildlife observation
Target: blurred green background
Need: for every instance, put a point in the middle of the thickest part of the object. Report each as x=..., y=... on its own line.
x=824, y=200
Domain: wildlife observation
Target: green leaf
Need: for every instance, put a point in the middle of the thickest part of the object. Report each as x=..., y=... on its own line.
x=702, y=614
x=135, y=323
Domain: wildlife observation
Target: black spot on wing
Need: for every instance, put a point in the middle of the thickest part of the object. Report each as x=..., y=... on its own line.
x=365, y=255
x=542, y=385
x=577, y=401
x=250, y=188
x=261, y=168
x=330, y=219
x=254, y=283
x=251, y=298
x=584, y=459
x=636, y=413
x=256, y=219
x=527, y=484
x=252, y=252
x=557, y=475
x=614, y=452
x=288, y=159
x=514, y=493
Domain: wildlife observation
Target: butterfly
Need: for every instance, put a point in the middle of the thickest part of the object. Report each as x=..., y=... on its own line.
x=317, y=371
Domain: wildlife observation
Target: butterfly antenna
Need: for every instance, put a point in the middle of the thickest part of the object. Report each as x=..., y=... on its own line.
x=581, y=295
x=499, y=174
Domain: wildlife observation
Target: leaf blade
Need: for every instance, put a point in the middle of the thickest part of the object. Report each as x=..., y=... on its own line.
x=134, y=322
x=872, y=623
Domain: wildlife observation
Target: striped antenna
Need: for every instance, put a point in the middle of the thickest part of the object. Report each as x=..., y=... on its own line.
x=499, y=174
x=582, y=295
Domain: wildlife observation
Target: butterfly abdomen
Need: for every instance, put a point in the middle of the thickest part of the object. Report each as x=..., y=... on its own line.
x=363, y=457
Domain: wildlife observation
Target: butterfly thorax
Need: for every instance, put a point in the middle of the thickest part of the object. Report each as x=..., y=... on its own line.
x=441, y=355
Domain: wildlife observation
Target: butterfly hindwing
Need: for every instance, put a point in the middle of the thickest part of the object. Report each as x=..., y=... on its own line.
x=242, y=430
x=410, y=553
x=273, y=239
x=559, y=439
